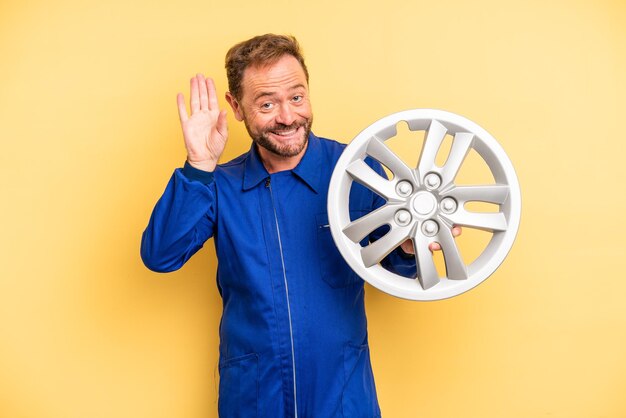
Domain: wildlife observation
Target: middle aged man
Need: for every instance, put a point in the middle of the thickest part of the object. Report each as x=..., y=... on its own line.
x=293, y=335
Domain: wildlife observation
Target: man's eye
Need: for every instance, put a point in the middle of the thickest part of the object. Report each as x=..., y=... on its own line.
x=267, y=105
x=297, y=98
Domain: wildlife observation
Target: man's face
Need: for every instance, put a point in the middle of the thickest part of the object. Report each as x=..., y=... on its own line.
x=275, y=106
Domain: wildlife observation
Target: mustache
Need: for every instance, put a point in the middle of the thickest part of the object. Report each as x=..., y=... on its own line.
x=279, y=127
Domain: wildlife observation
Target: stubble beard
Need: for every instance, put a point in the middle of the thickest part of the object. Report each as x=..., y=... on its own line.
x=263, y=139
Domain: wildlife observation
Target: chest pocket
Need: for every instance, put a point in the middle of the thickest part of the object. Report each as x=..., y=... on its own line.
x=334, y=269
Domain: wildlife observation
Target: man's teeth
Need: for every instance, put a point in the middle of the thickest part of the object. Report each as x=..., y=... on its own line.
x=285, y=133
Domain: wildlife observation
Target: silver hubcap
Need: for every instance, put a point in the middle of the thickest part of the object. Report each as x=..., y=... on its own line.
x=423, y=204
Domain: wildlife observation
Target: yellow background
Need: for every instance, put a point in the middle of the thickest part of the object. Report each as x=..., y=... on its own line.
x=90, y=135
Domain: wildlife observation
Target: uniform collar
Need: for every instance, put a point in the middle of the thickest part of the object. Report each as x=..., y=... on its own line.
x=308, y=169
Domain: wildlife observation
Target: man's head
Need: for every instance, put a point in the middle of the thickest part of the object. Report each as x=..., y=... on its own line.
x=259, y=51
x=268, y=83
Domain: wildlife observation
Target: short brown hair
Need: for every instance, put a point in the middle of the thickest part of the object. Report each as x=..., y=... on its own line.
x=260, y=50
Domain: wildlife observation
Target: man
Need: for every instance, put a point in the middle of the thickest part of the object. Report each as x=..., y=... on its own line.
x=293, y=335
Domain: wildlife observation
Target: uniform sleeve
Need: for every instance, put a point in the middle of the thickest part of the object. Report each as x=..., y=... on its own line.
x=182, y=220
x=397, y=261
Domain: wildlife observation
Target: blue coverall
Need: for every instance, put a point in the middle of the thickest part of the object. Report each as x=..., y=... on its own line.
x=293, y=334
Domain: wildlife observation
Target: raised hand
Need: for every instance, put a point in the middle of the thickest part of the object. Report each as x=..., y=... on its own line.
x=205, y=131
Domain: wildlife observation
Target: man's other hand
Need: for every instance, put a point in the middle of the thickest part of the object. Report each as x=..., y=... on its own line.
x=407, y=246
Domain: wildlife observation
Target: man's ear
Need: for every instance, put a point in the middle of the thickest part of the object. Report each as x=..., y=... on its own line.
x=234, y=104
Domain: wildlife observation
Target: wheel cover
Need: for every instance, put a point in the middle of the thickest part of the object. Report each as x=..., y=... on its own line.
x=423, y=204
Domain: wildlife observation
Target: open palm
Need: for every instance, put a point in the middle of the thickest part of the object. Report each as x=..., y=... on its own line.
x=205, y=131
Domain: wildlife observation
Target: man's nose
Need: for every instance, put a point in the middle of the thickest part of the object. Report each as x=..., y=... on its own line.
x=286, y=115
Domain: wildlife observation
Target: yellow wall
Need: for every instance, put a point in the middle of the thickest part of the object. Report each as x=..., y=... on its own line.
x=89, y=136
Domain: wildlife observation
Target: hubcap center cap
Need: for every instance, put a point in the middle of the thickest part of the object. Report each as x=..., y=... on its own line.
x=424, y=203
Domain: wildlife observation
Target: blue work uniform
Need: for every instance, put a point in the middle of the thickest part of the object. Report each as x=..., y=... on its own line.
x=293, y=334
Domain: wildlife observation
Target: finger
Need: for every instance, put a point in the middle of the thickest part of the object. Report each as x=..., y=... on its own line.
x=195, y=97
x=182, y=109
x=434, y=246
x=213, y=105
x=204, y=100
x=456, y=231
x=407, y=246
x=222, y=126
